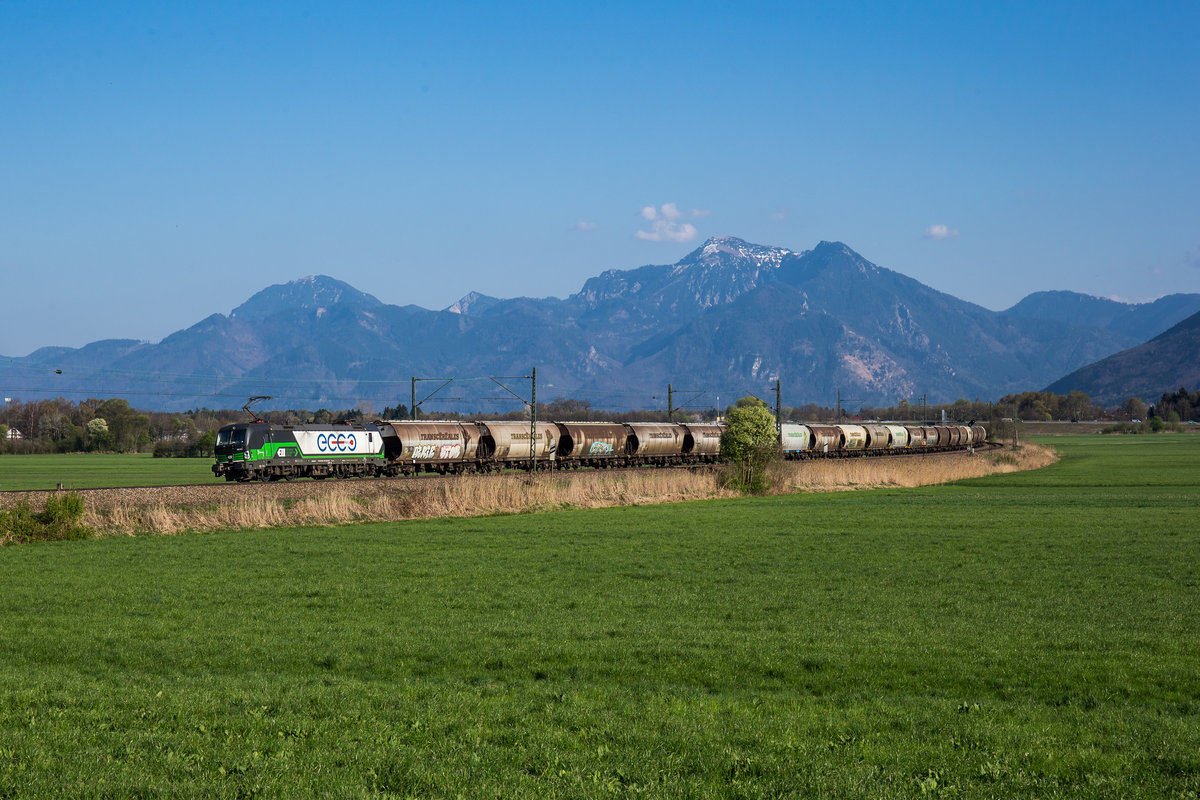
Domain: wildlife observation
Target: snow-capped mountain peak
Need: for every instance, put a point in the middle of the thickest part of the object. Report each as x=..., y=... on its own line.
x=727, y=251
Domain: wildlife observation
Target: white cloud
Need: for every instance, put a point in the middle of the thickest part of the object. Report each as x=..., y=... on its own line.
x=667, y=226
x=666, y=231
x=700, y=212
x=938, y=232
x=779, y=214
x=585, y=225
x=1192, y=257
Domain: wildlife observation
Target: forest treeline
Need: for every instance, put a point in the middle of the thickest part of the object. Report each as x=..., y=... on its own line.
x=112, y=425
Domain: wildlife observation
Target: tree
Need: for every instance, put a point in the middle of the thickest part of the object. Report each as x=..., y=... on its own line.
x=1135, y=408
x=204, y=444
x=128, y=429
x=399, y=411
x=1077, y=406
x=1183, y=403
x=749, y=444
x=97, y=429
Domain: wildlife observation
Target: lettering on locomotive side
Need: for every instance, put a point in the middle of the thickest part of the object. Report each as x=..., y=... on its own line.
x=336, y=442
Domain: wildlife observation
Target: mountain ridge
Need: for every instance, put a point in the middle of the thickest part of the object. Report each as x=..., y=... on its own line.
x=1137, y=321
x=726, y=316
x=1167, y=362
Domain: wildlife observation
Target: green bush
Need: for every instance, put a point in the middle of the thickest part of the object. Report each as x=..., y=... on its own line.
x=749, y=445
x=58, y=521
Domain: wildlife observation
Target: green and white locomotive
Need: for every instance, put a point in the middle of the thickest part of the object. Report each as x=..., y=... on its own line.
x=262, y=451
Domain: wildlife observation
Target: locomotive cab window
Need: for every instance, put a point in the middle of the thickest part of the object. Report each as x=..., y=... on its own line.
x=234, y=438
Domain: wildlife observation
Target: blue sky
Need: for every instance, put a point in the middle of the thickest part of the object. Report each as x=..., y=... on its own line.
x=162, y=162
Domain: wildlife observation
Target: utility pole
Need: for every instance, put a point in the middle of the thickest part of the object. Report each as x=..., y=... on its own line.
x=533, y=422
x=692, y=396
x=778, y=408
x=412, y=411
x=839, y=407
x=531, y=402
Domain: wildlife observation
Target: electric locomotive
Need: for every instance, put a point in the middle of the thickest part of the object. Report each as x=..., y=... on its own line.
x=250, y=451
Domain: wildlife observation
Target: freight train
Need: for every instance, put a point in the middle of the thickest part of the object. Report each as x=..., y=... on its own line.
x=264, y=451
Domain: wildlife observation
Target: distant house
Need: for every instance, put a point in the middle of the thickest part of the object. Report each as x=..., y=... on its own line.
x=13, y=433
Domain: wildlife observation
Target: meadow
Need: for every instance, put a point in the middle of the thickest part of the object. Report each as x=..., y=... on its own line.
x=1029, y=634
x=91, y=470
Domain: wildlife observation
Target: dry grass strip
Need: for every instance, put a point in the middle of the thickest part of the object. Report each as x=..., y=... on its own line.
x=864, y=473
x=219, y=508
x=464, y=496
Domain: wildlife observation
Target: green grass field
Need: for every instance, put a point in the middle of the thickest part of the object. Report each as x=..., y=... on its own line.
x=1028, y=635
x=93, y=470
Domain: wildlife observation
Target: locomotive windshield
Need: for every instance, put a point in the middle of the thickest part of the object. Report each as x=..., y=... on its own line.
x=234, y=437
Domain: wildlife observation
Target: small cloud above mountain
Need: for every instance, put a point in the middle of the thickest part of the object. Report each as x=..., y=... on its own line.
x=666, y=224
x=939, y=232
x=585, y=225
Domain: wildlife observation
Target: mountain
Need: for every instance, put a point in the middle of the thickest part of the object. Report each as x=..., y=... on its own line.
x=1137, y=321
x=473, y=303
x=828, y=319
x=725, y=320
x=711, y=275
x=1167, y=362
